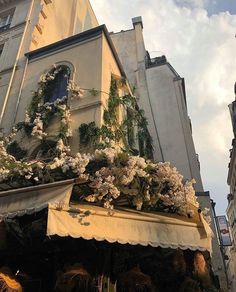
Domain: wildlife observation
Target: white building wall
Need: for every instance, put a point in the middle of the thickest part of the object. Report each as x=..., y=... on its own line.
x=172, y=122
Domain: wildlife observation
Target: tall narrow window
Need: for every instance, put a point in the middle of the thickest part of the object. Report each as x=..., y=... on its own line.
x=6, y=18
x=60, y=89
x=60, y=83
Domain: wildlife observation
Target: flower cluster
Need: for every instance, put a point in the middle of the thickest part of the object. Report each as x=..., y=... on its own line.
x=66, y=122
x=36, y=171
x=146, y=185
x=110, y=175
x=36, y=123
x=37, y=130
x=8, y=139
x=12, y=168
x=51, y=75
x=67, y=163
x=75, y=90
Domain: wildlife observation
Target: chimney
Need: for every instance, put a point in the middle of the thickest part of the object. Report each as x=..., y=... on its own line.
x=137, y=20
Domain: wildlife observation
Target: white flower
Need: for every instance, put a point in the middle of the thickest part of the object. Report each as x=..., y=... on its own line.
x=27, y=118
x=91, y=198
x=75, y=90
x=37, y=130
x=107, y=140
x=108, y=205
x=62, y=147
x=109, y=153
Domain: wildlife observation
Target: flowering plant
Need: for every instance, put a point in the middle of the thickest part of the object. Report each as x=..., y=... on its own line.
x=64, y=165
x=109, y=175
x=144, y=184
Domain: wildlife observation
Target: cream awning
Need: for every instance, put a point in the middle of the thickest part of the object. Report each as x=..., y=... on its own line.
x=127, y=226
x=18, y=202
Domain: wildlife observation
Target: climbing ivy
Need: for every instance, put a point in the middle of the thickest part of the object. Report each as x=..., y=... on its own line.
x=116, y=131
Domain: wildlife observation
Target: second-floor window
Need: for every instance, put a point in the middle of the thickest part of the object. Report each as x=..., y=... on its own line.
x=60, y=89
x=6, y=18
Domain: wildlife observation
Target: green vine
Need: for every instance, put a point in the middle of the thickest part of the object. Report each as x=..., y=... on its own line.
x=92, y=136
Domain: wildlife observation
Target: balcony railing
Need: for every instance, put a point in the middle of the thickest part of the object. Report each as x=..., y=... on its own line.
x=157, y=61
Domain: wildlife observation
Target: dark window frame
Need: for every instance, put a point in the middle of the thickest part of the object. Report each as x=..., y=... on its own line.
x=6, y=19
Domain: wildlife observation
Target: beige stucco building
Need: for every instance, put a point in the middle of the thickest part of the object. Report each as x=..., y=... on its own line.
x=92, y=61
x=27, y=25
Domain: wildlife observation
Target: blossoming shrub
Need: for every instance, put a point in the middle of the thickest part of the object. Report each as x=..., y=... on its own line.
x=145, y=185
x=109, y=176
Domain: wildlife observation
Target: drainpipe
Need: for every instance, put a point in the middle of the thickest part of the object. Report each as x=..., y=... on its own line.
x=16, y=62
x=20, y=90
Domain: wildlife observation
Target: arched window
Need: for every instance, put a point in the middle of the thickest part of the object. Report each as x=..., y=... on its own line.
x=60, y=77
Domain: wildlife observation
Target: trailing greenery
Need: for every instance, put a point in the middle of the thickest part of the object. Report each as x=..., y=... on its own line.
x=118, y=131
x=89, y=134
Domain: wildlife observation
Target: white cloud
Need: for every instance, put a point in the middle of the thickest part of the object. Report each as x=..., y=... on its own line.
x=202, y=49
x=192, y=3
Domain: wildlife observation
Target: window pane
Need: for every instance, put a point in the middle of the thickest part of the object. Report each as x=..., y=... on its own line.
x=60, y=89
x=6, y=17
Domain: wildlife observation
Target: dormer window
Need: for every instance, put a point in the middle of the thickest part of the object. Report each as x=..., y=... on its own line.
x=5, y=19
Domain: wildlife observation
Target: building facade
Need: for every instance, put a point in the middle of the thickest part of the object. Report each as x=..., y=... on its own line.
x=34, y=36
x=27, y=25
x=231, y=208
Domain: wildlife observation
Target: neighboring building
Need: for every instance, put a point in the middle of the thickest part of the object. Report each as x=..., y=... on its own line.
x=231, y=209
x=161, y=94
x=230, y=251
x=27, y=25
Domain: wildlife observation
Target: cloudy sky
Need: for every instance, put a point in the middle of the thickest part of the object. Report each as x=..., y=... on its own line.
x=198, y=38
